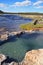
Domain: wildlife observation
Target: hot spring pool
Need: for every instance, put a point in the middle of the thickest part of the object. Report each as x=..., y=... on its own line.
x=16, y=47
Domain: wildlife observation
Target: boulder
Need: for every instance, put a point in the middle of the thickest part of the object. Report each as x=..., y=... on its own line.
x=34, y=57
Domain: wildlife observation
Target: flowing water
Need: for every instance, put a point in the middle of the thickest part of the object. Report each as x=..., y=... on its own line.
x=12, y=22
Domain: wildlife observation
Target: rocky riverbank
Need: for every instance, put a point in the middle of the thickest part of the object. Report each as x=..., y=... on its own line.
x=6, y=36
x=33, y=57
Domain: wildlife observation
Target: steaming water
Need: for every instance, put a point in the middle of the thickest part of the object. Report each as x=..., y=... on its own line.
x=16, y=47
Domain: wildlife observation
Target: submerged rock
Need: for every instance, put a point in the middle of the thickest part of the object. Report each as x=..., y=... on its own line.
x=34, y=57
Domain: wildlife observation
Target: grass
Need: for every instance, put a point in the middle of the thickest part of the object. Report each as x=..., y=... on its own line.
x=31, y=26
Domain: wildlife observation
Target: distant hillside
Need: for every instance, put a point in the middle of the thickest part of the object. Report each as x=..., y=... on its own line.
x=30, y=13
x=25, y=13
x=1, y=12
x=21, y=13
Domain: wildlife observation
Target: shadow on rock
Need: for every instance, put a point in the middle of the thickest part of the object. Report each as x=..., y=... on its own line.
x=9, y=60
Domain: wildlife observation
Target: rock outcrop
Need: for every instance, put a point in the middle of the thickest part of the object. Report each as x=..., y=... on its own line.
x=34, y=57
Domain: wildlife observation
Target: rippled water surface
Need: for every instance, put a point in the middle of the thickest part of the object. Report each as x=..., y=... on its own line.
x=12, y=22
